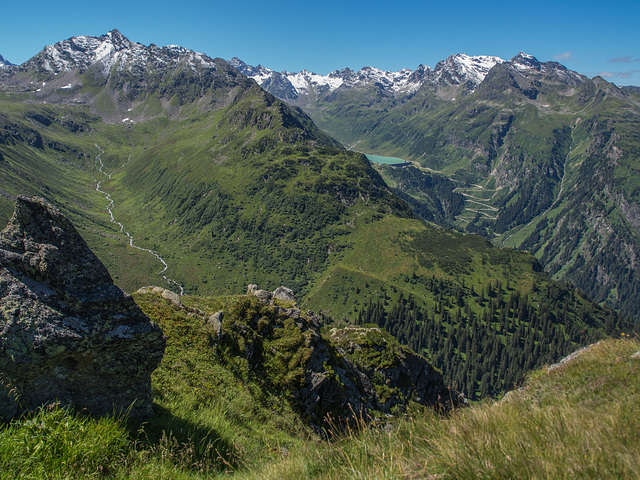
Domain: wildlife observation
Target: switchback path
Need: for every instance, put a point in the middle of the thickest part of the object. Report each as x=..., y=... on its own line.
x=482, y=205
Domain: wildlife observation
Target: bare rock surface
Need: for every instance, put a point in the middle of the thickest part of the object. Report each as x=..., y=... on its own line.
x=284, y=293
x=67, y=333
x=571, y=357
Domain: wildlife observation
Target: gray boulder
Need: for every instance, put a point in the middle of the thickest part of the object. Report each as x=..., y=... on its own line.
x=67, y=333
x=215, y=321
x=163, y=292
x=284, y=293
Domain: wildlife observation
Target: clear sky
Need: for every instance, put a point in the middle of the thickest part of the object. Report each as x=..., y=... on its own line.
x=591, y=37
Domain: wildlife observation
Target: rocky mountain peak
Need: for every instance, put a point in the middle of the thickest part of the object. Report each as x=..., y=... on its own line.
x=343, y=73
x=526, y=61
x=109, y=51
x=4, y=62
x=249, y=70
x=118, y=40
x=237, y=63
x=460, y=68
x=552, y=71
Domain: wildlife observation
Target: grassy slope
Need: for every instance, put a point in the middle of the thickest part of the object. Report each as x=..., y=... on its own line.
x=53, y=152
x=407, y=247
x=575, y=422
x=227, y=206
x=214, y=419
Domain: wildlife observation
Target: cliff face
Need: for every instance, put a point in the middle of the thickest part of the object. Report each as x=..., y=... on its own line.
x=67, y=333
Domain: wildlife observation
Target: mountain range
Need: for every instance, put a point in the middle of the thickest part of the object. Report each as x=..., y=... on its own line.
x=529, y=154
x=174, y=164
x=458, y=73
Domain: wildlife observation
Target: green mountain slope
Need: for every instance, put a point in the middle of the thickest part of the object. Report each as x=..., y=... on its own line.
x=545, y=160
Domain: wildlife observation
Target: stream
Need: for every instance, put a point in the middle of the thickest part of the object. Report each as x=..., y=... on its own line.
x=122, y=228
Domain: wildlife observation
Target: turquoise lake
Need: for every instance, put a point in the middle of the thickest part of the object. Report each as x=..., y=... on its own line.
x=384, y=160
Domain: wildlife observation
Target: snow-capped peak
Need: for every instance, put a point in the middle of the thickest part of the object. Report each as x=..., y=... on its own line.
x=260, y=74
x=528, y=64
x=306, y=81
x=455, y=70
x=4, y=63
x=461, y=68
x=110, y=50
x=459, y=71
x=524, y=61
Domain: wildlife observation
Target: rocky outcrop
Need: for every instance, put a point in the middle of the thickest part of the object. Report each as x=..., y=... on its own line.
x=571, y=357
x=349, y=374
x=285, y=294
x=398, y=374
x=281, y=293
x=67, y=333
x=163, y=292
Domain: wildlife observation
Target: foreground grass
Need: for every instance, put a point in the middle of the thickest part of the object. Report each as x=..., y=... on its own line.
x=213, y=421
x=578, y=421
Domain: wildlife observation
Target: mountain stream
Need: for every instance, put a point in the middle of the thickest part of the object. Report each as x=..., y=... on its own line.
x=122, y=227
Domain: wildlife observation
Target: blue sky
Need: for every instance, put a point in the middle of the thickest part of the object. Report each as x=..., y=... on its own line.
x=593, y=38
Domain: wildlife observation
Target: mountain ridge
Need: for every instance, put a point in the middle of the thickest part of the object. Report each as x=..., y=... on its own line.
x=456, y=70
x=5, y=63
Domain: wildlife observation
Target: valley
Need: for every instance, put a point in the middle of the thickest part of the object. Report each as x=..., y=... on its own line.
x=123, y=231
x=246, y=190
x=533, y=135
x=494, y=230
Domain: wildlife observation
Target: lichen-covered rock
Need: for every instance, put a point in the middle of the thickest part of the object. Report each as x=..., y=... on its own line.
x=215, y=321
x=67, y=333
x=281, y=293
x=163, y=292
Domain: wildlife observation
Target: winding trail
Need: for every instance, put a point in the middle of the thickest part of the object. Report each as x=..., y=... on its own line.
x=476, y=205
x=122, y=228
